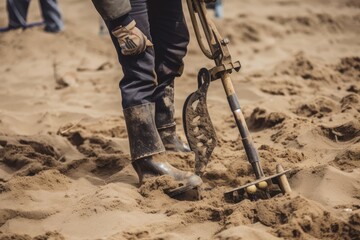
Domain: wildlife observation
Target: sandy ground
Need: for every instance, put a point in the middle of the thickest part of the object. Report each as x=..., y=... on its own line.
x=64, y=157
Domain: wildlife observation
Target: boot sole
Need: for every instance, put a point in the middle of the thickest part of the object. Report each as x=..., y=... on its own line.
x=180, y=190
x=195, y=182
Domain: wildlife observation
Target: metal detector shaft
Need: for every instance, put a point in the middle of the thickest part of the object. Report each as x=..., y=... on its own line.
x=219, y=52
x=247, y=141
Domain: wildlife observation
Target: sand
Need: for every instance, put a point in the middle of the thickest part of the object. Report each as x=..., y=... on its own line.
x=65, y=169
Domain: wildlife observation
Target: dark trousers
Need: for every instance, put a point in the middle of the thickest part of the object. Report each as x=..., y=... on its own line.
x=18, y=10
x=146, y=75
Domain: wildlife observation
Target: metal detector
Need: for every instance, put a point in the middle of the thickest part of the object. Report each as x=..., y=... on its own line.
x=198, y=127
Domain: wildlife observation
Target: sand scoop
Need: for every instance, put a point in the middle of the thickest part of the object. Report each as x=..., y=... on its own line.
x=198, y=127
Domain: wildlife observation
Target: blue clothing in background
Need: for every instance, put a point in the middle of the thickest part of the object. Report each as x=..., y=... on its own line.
x=18, y=9
x=219, y=11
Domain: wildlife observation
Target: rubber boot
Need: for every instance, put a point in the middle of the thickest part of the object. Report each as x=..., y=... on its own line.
x=157, y=166
x=164, y=117
x=146, y=146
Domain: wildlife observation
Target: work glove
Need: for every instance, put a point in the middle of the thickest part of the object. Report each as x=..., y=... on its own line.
x=132, y=41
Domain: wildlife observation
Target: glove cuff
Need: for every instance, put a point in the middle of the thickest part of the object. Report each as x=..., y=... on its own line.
x=120, y=22
x=121, y=31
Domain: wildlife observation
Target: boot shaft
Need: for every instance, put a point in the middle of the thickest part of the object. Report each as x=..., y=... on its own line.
x=165, y=122
x=144, y=139
x=165, y=109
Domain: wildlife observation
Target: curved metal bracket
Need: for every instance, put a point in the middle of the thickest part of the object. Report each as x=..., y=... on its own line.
x=198, y=127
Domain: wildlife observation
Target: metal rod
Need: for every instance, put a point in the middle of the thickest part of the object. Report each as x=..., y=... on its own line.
x=283, y=182
x=251, y=152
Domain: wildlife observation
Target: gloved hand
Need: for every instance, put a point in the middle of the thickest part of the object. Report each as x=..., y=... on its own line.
x=132, y=41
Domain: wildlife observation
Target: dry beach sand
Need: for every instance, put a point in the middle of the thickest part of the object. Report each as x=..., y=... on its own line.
x=64, y=157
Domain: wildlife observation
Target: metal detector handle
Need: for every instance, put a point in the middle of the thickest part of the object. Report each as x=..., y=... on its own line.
x=200, y=7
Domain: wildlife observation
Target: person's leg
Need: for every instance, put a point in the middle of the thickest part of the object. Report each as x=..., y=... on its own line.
x=51, y=15
x=219, y=12
x=137, y=89
x=17, y=10
x=170, y=37
x=139, y=81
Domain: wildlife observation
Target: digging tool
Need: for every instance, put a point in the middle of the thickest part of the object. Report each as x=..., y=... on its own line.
x=198, y=127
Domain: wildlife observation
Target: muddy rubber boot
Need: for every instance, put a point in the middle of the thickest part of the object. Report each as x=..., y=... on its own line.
x=146, y=146
x=172, y=141
x=156, y=166
x=164, y=118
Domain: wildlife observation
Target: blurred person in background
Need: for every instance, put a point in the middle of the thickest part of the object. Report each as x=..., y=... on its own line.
x=102, y=28
x=18, y=10
x=217, y=6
